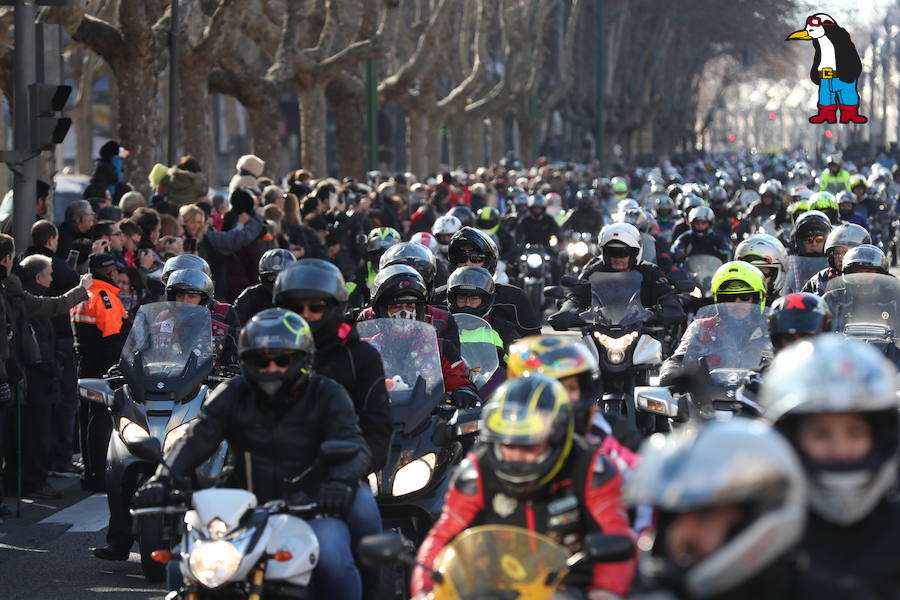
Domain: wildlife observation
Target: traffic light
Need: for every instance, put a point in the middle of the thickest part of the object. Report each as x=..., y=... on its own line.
x=772, y=116
x=48, y=129
x=732, y=137
x=829, y=134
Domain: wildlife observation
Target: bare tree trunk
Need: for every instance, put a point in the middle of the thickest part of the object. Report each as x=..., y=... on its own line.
x=196, y=125
x=497, y=146
x=460, y=145
x=476, y=143
x=417, y=142
x=345, y=98
x=433, y=145
x=312, y=129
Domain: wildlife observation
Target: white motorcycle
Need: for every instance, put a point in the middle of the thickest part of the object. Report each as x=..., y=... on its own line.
x=230, y=545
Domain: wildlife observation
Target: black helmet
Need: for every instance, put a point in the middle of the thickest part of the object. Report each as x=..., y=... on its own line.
x=184, y=261
x=473, y=244
x=398, y=284
x=800, y=313
x=812, y=222
x=417, y=256
x=674, y=190
x=865, y=257
x=190, y=281
x=528, y=411
x=283, y=336
x=313, y=278
x=585, y=197
x=464, y=214
x=488, y=219
x=718, y=195
x=537, y=200
x=272, y=263
x=471, y=281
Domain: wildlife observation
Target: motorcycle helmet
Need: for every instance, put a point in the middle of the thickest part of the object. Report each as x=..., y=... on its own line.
x=519, y=198
x=626, y=204
x=831, y=373
x=665, y=209
x=833, y=159
x=701, y=214
x=184, y=261
x=417, y=256
x=737, y=278
x=798, y=314
x=621, y=239
x=278, y=335
x=857, y=181
x=464, y=214
x=190, y=281
x=739, y=463
x=826, y=203
x=399, y=284
x=718, y=196
x=559, y=357
x=537, y=204
x=378, y=241
x=688, y=202
x=842, y=238
x=487, y=219
x=674, y=191
x=767, y=254
x=770, y=188
x=636, y=217
x=443, y=229
x=469, y=244
x=528, y=411
x=619, y=187
x=865, y=258
x=313, y=279
x=795, y=209
x=585, y=197
x=471, y=281
x=810, y=223
x=272, y=263
x=424, y=238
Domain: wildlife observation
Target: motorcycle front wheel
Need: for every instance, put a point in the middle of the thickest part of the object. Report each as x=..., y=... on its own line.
x=150, y=538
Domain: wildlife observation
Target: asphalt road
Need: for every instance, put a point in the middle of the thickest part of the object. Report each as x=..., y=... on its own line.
x=46, y=553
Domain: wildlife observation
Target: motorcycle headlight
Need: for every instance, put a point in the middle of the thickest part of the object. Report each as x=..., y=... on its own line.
x=413, y=476
x=616, y=346
x=131, y=432
x=176, y=434
x=373, y=484
x=534, y=261
x=213, y=563
x=696, y=293
x=580, y=249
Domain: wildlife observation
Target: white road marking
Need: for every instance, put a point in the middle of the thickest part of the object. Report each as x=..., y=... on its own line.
x=91, y=514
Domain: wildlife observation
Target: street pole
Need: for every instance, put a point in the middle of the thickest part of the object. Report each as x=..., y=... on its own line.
x=173, y=85
x=371, y=116
x=601, y=76
x=24, y=186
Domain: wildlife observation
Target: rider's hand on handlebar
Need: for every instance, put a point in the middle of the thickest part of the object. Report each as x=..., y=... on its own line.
x=336, y=496
x=153, y=493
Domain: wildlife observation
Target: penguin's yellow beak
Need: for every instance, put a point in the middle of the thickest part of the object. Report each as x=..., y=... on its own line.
x=799, y=35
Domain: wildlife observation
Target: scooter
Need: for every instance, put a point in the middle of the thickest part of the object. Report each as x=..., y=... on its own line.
x=155, y=392
x=232, y=548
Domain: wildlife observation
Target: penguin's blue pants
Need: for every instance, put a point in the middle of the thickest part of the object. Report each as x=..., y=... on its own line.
x=835, y=89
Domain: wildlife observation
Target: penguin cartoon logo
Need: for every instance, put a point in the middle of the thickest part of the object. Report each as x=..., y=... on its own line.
x=835, y=69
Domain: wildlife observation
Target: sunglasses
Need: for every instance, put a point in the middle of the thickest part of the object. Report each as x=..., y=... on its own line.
x=816, y=22
x=744, y=297
x=261, y=362
x=617, y=252
x=315, y=308
x=814, y=238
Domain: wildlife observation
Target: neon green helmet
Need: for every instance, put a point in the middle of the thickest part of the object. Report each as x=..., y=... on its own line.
x=796, y=209
x=857, y=180
x=826, y=203
x=738, y=277
x=487, y=219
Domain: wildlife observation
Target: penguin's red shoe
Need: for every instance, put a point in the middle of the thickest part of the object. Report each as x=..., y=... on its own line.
x=849, y=114
x=827, y=114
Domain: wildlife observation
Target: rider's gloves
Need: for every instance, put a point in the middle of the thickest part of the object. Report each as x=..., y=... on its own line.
x=336, y=496
x=463, y=398
x=153, y=493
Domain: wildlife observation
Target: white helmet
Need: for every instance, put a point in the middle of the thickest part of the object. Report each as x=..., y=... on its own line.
x=766, y=252
x=443, y=229
x=624, y=233
x=740, y=462
x=831, y=373
x=425, y=239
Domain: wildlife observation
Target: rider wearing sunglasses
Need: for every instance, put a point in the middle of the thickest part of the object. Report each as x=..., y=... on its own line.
x=276, y=416
x=809, y=234
x=741, y=288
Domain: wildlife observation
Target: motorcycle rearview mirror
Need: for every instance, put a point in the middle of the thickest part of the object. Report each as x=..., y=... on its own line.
x=607, y=548
x=657, y=400
x=388, y=550
x=554, y=291
x=569, y=281
x=335, y=452
x=96, y=390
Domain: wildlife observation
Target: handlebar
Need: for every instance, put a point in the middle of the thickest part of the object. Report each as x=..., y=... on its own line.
x=158, y=510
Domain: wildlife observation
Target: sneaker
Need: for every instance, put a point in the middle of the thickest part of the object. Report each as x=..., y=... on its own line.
x=69, y=471
x=48, y=492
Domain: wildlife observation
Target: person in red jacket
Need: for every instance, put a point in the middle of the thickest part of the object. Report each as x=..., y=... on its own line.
x=533, y=471
x=399, y=292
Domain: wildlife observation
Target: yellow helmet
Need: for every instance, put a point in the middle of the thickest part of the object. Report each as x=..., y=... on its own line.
x=554, y=355
x=528, y=411
x=739, y=277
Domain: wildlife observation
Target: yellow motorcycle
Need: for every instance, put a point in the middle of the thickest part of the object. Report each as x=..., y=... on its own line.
x=498, y=562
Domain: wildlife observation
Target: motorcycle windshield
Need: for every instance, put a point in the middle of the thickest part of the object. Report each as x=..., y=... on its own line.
x=499, y=561
x=616, y=299
x=701, y=268
x=728, y=336
x=412, y=366
x=800, y=269
x=476, y=344
x=865, y=305
x=167, y=340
